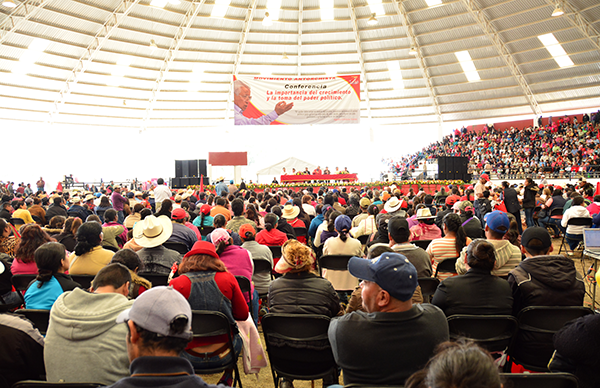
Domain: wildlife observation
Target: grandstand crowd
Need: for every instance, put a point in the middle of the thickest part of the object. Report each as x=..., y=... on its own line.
x=411, y=263
x=565, y=147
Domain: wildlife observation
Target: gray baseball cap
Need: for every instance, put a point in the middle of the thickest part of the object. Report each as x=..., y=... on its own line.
x=156, y=308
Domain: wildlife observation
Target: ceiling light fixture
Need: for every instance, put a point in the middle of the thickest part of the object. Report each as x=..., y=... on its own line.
x=557, y=11
x=372, y=20
x=9, y=3
x=153, y=45
x=267, y=22
x=285, y=57
x=412, y=51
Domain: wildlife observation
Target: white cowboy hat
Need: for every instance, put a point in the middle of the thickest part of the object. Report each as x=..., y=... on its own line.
x=290, y=212
x=392, y=204
x=152, y=231
x=424, y=213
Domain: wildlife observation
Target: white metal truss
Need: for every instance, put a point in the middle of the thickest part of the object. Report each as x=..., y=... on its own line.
x=240, y=50
x=588, y=30
x=420, y=60
x=300, y=17
x=492, y=34
x=102, y=36
x=363, y=73
x=176, y=43
x=20, y=15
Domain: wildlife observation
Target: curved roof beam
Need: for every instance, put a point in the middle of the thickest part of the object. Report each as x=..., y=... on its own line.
x=399, y=5
x=575, y=17
x=492, y=34
x=176, y=43
x=300, y=17
x=113, y=21
x=16, y=19
x=359, y=51
x=240, y=50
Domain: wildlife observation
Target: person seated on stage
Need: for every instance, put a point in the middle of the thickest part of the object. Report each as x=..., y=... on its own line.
x=317, y=171
x=326, y=171
x=306, y=171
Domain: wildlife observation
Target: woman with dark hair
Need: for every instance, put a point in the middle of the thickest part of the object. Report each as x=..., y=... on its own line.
x=55, y=226
x=32, y=237
x=342, y=244
x=8, y=243
x=67, y=237
x=330, y=230
x=51, y=280
x=302, y=215
x=307, y=205
x=253, y=214
x=134, y=217
x=470, y=223
x=207, y=285
x=271, y=235
x=219, y=222
x=477, y=291
x=203, y=219
x=102, y=207
x=166, y=208
x=301, y=291
x=282, y=224
x=132, y=261
x=89, y=257
x=552, y=203
x=449, y=246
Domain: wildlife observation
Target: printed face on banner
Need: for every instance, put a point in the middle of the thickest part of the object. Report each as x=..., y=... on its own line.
x=296, y=100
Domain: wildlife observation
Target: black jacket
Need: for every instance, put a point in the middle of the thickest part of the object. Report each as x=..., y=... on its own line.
x=303, y=293
x=56, y=211
x=476, y=292
x=546, y=281
x=511, y=201
x=529, y=196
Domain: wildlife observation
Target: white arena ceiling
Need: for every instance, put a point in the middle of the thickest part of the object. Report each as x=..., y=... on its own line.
x=131, y=64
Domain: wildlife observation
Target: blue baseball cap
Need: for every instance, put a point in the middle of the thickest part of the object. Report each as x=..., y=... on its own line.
x=342, y=222
x=391, y=271
x=497, y=221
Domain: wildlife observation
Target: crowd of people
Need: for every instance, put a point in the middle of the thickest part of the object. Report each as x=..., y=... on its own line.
x=203, y=240
x=566, y=146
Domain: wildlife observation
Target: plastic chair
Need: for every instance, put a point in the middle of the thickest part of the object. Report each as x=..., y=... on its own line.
x=428, y=287
x=84, y=280
x=21, y=282
x=492, y=332
x=275, y=250
x=46, y=384
x=39, y=318
x=364, y=239
x=532, y=345
x=422, y=243
x=578, y=221
x=262, y=267
x=17, y=222
x=446, y=265
x=301, y=231
x=110, y=248
x=285, y=334
x=246, y=288
x=210, y=324
x=205, y=230
x=157, y=279
x=540, y=380
x=176, y=246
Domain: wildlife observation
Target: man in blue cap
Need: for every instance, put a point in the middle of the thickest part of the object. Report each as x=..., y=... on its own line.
x=393, y=338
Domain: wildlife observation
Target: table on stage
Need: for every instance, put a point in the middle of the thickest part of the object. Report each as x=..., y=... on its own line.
x=319, y=177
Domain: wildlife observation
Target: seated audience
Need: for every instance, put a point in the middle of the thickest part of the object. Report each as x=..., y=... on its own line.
x=155, y=340
x=134, y=217
x=542, y=279
x=207, y=285
x=220, y=208
x=342, y=244
x=257, y=251
x=21, y=211
x=182, y=233
x=56, y=225
x=51, y=280
x=203, y=219
x=426, y=229
x=477, y=291
x=150, y=234
x=238, y=219
x=367, y=224
x=411, y=332
x=102, y=207
x=132, y=261
x=398, y=233
x=114, y=233
x=89, y=257
x=574, y=234
x=449, y=246
x=271, y=236
x=8, y=243
x=32, y=237
x=67, y=236
x=81, y=321
x=555, y=201
x=219, y=222
x=470, y=223
x=508, y=256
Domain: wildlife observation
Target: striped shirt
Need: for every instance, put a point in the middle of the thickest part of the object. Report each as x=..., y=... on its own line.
x=441, y=249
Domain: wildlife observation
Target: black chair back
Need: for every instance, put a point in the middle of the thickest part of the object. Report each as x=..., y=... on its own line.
x=301, y=231
x=262, y=266
x=246, y=288
x=335, y=262
x=176, y=246
x=364, y=239
x=17, y=222
x=447, y=265
x=110, y=248
x=577, y=221
x=422, y=243
x=557, y=211
x=492, y=332
x=428, y=287
x=39, y=318
x=157, y=279
x=286, y=336
x=210, y=324
x=275, y=251
x=540, y=380
x=22, y=282
x=46, y=384
x=84, y=280
x=532, y=345
x=205, y=230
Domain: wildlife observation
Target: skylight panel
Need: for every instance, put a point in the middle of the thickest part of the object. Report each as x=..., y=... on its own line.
x=376, y=7
x=326, y=9
x=395, y=74
x=30, y=56
x=220, y=8
x=556, y=50
x=468, y=66
x=273, y=7
x=434, y=3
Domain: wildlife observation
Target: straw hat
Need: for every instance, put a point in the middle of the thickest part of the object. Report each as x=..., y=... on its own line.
x=424, y=213
x=290, y=212
x=152, y=231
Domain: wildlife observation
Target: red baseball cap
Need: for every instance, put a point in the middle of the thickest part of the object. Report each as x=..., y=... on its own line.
x=178, y=214
x=203, y=248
